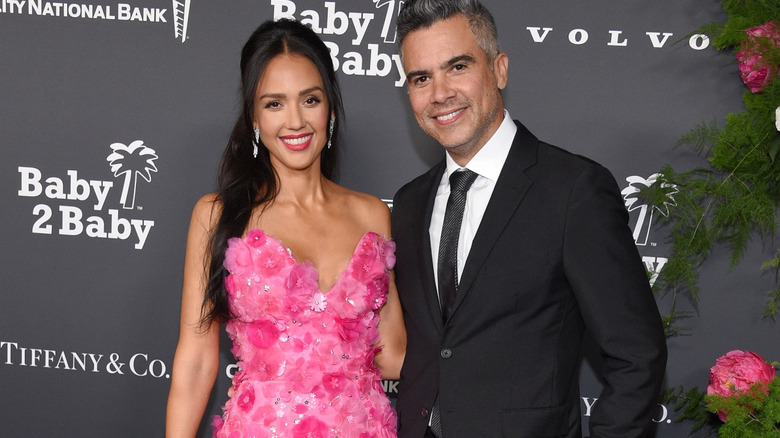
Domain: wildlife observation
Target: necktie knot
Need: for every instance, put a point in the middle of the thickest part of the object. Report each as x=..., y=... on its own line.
x=461, y=180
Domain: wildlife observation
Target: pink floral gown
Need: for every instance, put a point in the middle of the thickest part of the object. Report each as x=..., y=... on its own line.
x=305, y=356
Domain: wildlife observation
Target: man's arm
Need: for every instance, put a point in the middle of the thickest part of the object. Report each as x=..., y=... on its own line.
x=612, y=289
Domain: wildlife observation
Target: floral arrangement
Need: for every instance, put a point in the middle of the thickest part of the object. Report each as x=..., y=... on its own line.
x=744, y=391
x=731, y=200
x=735, y=197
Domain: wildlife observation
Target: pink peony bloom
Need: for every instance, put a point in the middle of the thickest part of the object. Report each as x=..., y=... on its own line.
x=756, y=73
x=736, y=372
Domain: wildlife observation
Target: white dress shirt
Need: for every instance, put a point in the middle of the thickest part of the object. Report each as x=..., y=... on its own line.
x=487, y=164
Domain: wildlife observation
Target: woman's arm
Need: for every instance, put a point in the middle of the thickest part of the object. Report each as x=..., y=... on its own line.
x=392, y=331
x=196, y=362
x=392, y=336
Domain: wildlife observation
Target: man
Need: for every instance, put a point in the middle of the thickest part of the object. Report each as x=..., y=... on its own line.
x=543, y=254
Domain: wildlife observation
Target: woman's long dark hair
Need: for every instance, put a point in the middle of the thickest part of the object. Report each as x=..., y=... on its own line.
x=245, y=182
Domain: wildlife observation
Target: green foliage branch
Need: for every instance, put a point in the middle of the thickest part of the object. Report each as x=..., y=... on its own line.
x=751, y=414
x=730, y=201
x=735, y=198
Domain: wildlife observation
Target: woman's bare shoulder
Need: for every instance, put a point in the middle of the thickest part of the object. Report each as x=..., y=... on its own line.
x=207, y=210
x=369, y=210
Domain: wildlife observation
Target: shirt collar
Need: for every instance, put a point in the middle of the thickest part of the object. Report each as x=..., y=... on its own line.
x=490, y=159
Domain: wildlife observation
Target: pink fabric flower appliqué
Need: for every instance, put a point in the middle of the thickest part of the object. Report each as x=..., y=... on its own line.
x=318, y=302
x=238, y=258
x=246, y=398
x=301, y=285
x=310, y=427
x=262, y=333
x=388, y=253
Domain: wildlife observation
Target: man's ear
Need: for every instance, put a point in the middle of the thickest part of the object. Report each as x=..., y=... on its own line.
x=501, y=69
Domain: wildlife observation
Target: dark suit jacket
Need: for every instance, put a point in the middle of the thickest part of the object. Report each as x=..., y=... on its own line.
x=553, y=257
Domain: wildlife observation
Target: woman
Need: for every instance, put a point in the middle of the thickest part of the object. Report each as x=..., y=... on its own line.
x=296, y=265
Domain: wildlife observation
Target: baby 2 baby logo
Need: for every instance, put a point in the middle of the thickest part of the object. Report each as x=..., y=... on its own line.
x=73, y=195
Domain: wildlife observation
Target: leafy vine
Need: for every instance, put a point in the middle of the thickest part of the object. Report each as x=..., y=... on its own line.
x=732, y=200
x=735, y=197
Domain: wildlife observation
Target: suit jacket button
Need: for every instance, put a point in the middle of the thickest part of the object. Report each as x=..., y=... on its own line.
x=424, y=413
x=446, y=353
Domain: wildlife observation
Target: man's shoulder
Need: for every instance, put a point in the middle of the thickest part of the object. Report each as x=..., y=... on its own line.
x=564, y=159
x=418, y=185
x=530, y=150
x=554, y=152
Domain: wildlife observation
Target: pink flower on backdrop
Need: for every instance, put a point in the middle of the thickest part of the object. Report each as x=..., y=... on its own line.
x=755, y=71
x=736, y=372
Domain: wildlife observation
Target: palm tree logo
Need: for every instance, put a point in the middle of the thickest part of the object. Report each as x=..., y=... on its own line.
x=634, y=199
x=393, y=7
x=132, y=161
x=181, y=15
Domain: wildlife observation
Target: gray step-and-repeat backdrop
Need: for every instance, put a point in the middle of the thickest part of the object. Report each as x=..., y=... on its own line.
x=114, y=116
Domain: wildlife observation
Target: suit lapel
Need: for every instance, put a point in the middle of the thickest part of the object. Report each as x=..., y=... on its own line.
x=428, y=196
x=510, y=189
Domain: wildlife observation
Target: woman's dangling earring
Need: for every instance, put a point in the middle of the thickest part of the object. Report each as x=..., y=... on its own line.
x=256, y=142
x=330, y=130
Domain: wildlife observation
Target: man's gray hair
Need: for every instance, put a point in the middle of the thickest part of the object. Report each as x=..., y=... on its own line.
x=421, y=14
